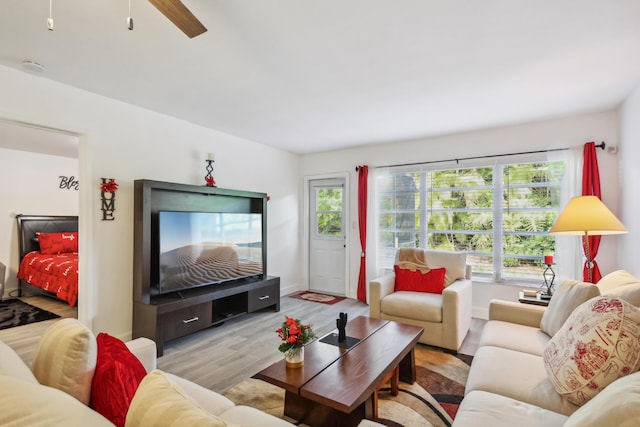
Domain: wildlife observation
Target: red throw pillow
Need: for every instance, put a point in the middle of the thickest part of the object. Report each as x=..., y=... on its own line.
x=58, y=243
x=431, y=282
x=116, y=379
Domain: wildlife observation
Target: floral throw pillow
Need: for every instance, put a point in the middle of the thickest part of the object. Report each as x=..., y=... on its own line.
x=599, y=343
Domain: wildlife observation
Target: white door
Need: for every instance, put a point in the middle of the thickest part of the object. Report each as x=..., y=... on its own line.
x=327, y=236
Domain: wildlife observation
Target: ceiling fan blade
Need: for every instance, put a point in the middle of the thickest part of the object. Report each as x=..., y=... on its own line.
x=182, y=17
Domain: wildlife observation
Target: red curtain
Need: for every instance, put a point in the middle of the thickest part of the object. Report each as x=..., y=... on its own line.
x=591, y=187
x=363, y=173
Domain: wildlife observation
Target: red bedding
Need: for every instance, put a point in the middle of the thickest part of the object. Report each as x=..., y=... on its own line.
x=54, y=273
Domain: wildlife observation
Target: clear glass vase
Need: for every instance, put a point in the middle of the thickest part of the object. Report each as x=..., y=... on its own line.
x=294, y=357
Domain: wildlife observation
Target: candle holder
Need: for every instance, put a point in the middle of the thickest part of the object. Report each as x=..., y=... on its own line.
x=208, y=179
x=549, y=276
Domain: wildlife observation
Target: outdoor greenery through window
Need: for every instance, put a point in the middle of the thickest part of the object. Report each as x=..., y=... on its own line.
x=498, y=214
x=329, y=212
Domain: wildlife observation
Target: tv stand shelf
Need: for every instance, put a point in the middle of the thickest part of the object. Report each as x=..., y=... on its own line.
x=163, y=317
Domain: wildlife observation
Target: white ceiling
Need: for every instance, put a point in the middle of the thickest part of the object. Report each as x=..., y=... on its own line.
x=309, y=76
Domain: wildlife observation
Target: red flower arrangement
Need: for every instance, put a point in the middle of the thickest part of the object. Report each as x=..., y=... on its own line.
x=294, y=334
x=110, y=186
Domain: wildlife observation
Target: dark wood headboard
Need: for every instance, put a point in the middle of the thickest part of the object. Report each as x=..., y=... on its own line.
x=29, y=225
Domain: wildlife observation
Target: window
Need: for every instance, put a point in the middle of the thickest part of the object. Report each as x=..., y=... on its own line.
x=329, y=212
x=498, y=214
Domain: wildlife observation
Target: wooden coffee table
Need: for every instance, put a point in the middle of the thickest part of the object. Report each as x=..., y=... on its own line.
x=336, y=386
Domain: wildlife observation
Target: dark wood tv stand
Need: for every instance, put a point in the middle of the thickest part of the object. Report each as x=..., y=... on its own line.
x=164, y=317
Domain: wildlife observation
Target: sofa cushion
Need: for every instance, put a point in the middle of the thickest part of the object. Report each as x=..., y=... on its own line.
x=159, y=402
x=248, y=416
x=12, y=365
x=66, y=358
x=455, y=264
x=621, y=284
x=599, y=343
x=481, y=408
x=23, y=403
x=417, y=281
x=617, y=405
x=519, y=376
x=569, y=295
x=208, y=400
x=115, y=381
x=615, y=279
x=421, y=306
x=512, y=336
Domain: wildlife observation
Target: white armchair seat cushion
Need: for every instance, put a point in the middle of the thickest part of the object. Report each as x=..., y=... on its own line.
x=519, y=376
x=421, y=306
x=481, y=408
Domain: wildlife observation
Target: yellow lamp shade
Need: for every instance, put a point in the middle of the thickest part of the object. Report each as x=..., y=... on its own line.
x=587, y=215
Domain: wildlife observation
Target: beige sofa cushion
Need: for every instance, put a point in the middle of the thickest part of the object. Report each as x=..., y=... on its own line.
x=599, y=343
x=621, y=284
x=66, y=358
x=519, y=376
x=454, y=262
x=12, y=365
x=615, y=279
x=481, y=408
x=516, y=337
x=568, y=297
x=617, y=405
x=159, y=402
x=421, y=306
x=23, y=403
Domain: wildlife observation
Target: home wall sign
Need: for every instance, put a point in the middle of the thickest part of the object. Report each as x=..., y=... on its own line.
x=108, y=189
x=69, y=183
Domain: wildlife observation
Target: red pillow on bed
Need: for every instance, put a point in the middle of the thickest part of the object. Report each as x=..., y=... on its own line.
x=415, y=281
x=58, y=243
x=117, y=376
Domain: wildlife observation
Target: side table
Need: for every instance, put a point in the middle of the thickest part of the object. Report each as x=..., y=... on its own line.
x=535, y=300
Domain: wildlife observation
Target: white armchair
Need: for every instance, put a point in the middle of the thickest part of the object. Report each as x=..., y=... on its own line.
x=446, y=317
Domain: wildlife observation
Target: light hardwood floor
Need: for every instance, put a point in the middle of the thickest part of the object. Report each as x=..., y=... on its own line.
x=220, y=357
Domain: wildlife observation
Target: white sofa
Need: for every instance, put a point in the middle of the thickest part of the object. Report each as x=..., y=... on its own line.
x=24, y=401
x=66, y=362
x=445, y=318
x=508, y=384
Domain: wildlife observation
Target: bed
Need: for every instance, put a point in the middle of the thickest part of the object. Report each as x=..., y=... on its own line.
x=48, y=248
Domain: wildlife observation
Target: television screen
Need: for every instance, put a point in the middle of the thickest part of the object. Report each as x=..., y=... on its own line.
x=202, y=248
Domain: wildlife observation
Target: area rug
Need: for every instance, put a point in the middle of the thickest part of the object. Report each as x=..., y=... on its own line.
x=432, y=401
x=14, y=312
x=317, y=297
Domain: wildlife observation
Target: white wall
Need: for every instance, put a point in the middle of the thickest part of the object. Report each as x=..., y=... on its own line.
x=30, y=186
x=125, y=142
x=630, y=177
x=559, y=133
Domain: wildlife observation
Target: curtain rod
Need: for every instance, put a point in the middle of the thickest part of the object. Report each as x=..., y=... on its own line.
x=601, y=145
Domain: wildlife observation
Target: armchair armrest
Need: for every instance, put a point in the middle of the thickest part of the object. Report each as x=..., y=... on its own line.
x=514, y=312
x=378, y=289
x=456, y=312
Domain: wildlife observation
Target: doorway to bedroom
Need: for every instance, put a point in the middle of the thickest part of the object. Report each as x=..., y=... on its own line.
x=41, y=175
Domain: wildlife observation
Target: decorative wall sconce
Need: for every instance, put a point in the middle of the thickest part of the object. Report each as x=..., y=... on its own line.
x=108, y=189
x=208, y=179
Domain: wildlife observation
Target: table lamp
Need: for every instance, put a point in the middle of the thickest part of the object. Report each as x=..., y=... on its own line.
x=587, y=216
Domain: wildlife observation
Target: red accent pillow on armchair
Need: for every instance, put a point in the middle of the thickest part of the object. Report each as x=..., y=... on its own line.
x=415, y=281
x=116, y=379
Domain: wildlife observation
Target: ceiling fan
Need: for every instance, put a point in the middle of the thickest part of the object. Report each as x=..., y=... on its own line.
x=181, y=17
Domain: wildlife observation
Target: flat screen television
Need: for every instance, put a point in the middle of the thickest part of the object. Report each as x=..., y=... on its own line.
x=205, y=248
